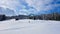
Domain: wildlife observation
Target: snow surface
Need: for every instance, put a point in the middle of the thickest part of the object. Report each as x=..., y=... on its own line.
x=28, y=26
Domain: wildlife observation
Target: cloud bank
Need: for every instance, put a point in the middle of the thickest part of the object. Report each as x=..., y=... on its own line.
x=27, y=7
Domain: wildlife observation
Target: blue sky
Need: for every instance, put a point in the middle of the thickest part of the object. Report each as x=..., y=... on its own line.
x=26, y=7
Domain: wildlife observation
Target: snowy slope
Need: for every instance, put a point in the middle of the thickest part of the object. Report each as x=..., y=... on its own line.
x=27, y=26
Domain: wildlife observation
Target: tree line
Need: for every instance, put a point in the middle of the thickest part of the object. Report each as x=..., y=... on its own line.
x=52, y=16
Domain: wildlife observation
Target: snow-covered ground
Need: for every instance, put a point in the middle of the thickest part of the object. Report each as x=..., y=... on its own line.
x=28, y=26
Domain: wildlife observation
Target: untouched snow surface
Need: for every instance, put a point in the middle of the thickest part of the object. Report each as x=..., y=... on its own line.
x=27, y=26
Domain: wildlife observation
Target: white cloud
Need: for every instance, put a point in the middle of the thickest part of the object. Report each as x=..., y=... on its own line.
x=38, y=4
x=18, y=4
x=11, y=4
x=8, y=3
x=41, y=4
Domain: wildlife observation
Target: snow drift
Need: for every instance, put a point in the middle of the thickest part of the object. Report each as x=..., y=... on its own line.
x=28, y=26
